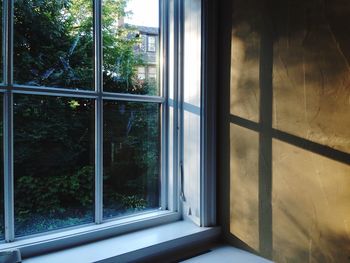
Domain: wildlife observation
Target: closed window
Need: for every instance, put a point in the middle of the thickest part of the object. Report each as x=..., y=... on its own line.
x=151, y=44
x=141, y=73
x=89, y=150
x=85, y=140
x=152, y=73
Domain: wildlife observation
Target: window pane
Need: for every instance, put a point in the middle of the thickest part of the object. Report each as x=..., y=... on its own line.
x=53, y=162
x=141, y=73
x=126, y=33
x=152, y=43
x=131, y=157
x=152, y=73
x=53, y=43
x=2, y=228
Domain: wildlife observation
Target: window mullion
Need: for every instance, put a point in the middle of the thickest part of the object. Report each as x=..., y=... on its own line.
x=98, y=112
x=163, y=73
x=8, y=121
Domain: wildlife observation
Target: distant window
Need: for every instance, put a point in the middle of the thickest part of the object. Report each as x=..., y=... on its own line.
x=152, y=73
x=141, y=73
x=151, y=44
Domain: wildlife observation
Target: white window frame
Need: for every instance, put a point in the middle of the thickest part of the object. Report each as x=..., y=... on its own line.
x=171, y=181
x=9, y=88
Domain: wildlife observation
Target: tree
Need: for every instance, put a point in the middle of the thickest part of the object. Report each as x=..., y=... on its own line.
x=54, y=136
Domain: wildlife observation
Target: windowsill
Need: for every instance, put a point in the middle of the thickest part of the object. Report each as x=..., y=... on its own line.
x=133, y=246
x=76, y=236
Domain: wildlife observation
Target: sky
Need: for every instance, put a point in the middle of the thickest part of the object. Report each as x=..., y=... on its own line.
x=145, y=12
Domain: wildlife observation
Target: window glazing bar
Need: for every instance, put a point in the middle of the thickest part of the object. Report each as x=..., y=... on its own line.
x=23, y=89
x=176, y=123
x=163, y=73
x=132, y=97
x=98, y=111
x=8, y=121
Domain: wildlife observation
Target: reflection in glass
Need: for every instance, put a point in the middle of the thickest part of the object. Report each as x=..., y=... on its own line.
x=131, y=157
x=2, y=228
x=130, y=42
x=53, y=162
x=53, y=43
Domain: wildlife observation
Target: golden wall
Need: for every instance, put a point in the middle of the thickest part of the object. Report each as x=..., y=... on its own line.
x=287, y=127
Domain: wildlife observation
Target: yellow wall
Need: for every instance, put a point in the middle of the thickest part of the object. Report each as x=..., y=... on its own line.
x=284, y=139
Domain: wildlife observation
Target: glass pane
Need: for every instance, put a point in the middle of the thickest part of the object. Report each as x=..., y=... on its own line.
x=2, y=228
x=128, y=28
x=53, y=162
x=53, y=43
x=131, y=157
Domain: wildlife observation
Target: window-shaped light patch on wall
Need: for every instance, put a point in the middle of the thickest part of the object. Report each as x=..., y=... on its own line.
x=53, y=43
x=315, y=76
x=53, y=162
x=131, y=157
x=126, y=42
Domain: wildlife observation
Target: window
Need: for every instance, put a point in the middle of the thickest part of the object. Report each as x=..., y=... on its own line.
x=142, y=44
x=141, y=73
x=88, y=147
x=152, y=73
x=151, y=44
x=83, y=137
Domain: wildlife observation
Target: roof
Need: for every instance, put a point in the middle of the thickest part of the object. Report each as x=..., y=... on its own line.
x=146, y=29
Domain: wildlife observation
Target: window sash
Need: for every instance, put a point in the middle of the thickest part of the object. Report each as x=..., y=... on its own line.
x=8, y=89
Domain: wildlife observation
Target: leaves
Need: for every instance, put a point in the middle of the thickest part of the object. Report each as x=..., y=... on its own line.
x=54, y=152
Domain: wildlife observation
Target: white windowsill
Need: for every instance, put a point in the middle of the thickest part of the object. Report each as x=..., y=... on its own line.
x=132, y=246
x=75, y=236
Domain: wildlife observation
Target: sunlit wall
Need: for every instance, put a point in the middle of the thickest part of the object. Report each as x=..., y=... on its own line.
x=284, y=136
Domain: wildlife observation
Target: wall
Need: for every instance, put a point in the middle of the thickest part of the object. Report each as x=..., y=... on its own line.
x=284, y=128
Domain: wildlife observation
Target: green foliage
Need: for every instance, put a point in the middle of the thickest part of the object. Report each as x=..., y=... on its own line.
x=53, y=45
x=51, y=49
x=47, y=195
x=54, y=171
x=54, y=136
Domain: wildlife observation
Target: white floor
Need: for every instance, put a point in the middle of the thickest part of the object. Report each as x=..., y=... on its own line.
x=227, y=254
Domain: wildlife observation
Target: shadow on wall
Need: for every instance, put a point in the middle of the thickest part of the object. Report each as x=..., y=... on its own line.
x=284, y=144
